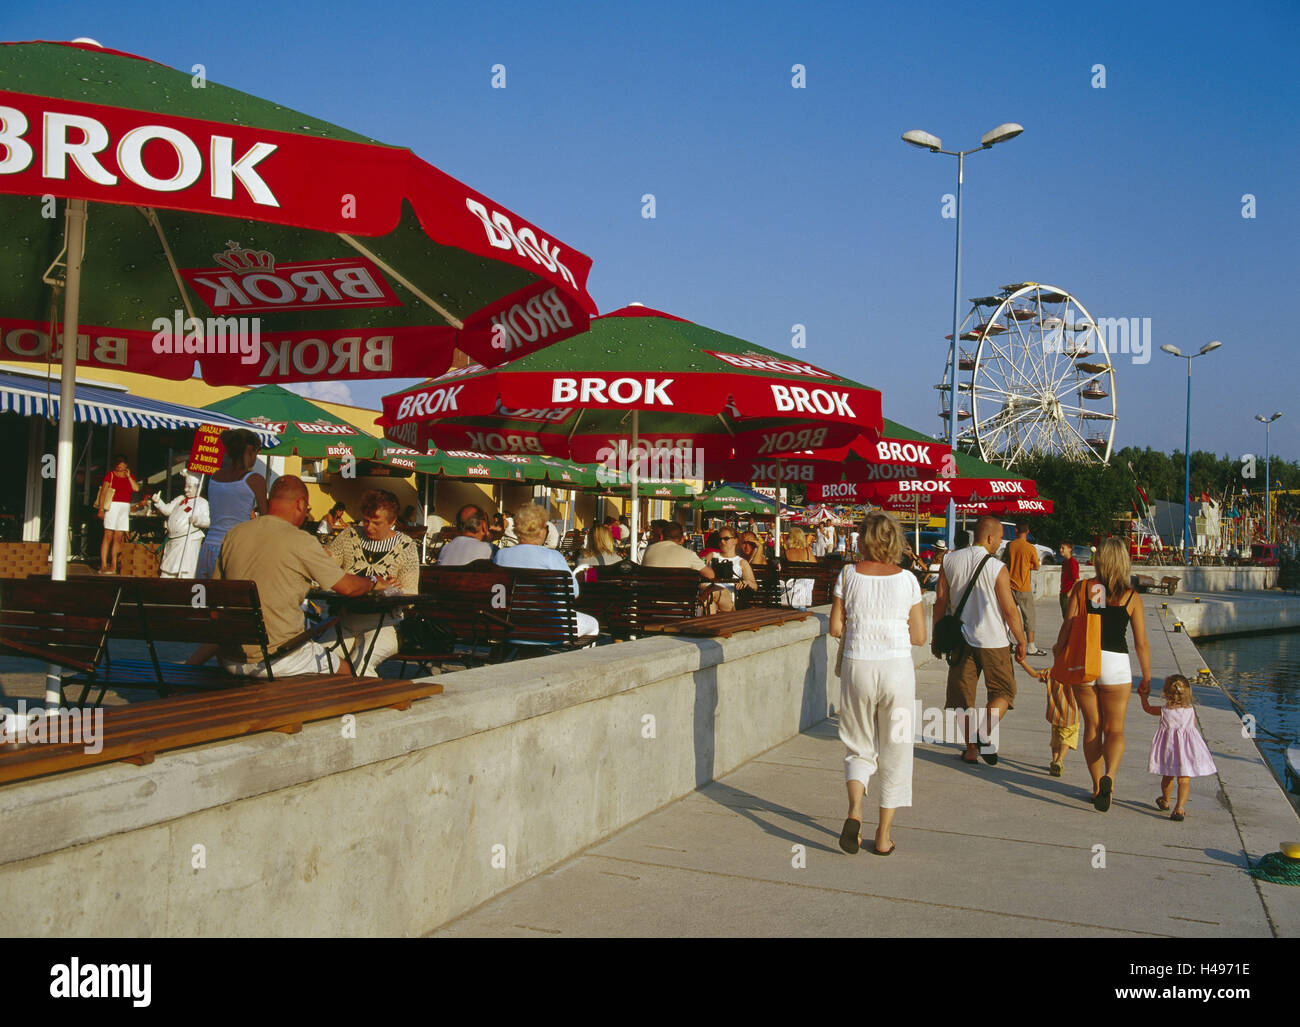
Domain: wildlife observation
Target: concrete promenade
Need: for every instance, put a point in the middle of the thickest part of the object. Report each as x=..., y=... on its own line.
x=984, y=851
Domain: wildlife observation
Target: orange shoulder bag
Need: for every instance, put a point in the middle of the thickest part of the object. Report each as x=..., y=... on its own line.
x=1081, y=661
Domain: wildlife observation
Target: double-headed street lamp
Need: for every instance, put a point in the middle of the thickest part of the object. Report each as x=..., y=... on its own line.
x=926, y=141
x=1268, y=509
x=1187, y=446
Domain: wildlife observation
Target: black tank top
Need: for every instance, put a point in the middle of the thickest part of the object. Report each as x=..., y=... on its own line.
x=1114, y=625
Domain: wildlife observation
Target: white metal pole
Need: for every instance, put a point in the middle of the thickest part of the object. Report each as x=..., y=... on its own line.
x=75, y=235
x=636, y=452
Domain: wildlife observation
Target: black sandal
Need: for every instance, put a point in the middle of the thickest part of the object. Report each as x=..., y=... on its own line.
x=851, y=836
x=1101, y=801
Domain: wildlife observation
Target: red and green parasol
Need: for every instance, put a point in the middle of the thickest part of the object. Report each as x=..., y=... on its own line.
x=204, y=224
x=304, y=429
x=733, y=498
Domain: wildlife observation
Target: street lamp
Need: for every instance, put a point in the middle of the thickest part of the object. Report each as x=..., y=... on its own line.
x=926, y=141
x=1187, y=445
x=1268, y=509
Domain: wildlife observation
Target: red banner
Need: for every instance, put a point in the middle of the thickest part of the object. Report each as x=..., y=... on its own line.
x=207, y=452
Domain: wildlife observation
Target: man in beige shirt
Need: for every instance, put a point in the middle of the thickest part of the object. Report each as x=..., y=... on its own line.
x=672, y=552
x=284, y=561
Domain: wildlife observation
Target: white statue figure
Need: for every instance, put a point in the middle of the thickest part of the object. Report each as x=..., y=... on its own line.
x=187, y=517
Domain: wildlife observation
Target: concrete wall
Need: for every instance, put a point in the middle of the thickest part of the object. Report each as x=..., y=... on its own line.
x=422, y=815
x=1237, y=616
x=1047, y=580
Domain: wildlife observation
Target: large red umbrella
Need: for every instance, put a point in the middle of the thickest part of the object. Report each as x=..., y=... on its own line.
x=265, y=244
x=673, y=387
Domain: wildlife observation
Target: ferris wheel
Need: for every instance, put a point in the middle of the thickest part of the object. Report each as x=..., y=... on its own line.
x=1037, y=379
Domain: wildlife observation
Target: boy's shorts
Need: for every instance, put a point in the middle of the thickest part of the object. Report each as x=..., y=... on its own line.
x=1065, y=737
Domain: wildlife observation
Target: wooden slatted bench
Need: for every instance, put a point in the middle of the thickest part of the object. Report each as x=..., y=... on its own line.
x=724, y=625
x=824, y=573
x=471, y=601
x=60, y=622
x=138, y=732
x=541, y=614
x=625, y=595
x=153, y=610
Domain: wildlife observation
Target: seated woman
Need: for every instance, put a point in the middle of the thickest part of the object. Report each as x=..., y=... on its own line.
x=796, y=547
x=798, y=592
x=751, y=548
x=532, y=552
x=600, y=548
x=374, y=548
x=732, y=571
x=332, y=522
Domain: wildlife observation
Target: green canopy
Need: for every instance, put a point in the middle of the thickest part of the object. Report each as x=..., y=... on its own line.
x=733, y=498
x=305, y=429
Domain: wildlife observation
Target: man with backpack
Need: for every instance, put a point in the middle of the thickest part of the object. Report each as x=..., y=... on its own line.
x=975, y=589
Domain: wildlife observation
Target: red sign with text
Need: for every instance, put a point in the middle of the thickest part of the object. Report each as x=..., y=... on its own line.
x=206, y=453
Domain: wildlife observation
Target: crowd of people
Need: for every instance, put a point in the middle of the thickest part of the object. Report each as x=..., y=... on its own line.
x=878, y=616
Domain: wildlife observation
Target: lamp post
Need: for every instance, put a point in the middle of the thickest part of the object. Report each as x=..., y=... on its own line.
x=1268, y=508
x=1187, y=446
x=926, y=141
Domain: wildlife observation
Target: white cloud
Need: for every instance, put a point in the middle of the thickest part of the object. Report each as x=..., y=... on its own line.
x=330, y=392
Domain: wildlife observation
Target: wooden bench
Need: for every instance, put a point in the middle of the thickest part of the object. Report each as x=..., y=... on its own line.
x=541, y=613
x=470, y=600
x=724, y=625
x=60, y=622
x=823, y=573
x=624, y=596
x=138, y=732
x=153, y=610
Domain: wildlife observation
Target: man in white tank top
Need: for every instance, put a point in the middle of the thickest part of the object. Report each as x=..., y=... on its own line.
x=990, y=616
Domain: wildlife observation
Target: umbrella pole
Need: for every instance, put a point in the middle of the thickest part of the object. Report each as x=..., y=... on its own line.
x=636, y=452
x=76, y=240
x=776, y=526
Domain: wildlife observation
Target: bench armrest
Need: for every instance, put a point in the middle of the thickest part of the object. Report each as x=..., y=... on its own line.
x=303, y=637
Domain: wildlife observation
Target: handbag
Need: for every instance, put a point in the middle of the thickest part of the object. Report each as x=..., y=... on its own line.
x=1080, y=663
x=947, y=632
x=105, y=498
x=420, y=634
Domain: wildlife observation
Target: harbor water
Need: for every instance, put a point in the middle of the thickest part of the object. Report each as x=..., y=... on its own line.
x=1262, y=673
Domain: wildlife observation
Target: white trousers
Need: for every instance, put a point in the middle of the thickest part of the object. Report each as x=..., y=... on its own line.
x=357, y=634
x=876, y=714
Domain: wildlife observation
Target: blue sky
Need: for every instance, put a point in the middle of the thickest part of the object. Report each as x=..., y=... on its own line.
x=777, y=206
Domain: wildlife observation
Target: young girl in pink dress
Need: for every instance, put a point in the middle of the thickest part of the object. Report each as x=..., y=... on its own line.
x=1178, y=750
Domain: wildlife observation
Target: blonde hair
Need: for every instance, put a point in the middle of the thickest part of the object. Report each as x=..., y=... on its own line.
x=601, y=541
x=880, y=538
x=1113, y=566
x=798, y=540
x=530, y=521
x=1178, y=691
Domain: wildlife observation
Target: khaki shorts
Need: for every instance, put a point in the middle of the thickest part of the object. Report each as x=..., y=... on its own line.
x=963, y=676
x=1065, y=737
x=1025, y=604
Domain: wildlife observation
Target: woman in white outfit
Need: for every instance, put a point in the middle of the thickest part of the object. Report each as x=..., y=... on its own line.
x=234, y=493
x=878, y=615
x=187, y=518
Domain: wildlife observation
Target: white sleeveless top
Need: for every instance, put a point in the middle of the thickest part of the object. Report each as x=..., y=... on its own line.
x=229, y=503
x=982, y=625
x=876, y=610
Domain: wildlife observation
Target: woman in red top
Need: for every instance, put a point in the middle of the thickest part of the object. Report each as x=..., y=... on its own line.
x=117, y=515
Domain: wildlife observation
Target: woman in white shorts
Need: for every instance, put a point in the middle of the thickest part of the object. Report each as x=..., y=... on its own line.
x=1104, y=703
x=117, y=516
x=877, y=612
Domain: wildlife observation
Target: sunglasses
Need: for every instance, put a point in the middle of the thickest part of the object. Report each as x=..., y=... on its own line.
x=727, y=538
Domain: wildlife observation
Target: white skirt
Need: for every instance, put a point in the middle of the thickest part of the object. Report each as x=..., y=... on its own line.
x=118, y=517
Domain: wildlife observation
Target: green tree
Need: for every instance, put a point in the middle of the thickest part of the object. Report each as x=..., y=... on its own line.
x=1086, y=498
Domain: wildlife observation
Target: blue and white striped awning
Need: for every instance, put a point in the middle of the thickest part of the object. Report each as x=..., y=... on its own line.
x=29, y=396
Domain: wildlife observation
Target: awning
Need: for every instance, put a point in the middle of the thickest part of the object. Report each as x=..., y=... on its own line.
x=34, y=397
